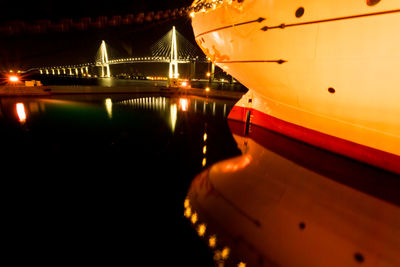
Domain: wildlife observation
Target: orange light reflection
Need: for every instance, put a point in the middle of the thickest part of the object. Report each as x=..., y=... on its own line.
x=236, y=163
x=21, y=112
x=183, y=104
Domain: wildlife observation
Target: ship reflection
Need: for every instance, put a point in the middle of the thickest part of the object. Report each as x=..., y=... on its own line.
x=284, y=203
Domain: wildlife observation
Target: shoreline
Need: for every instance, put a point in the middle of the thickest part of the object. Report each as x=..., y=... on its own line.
x=18, y=91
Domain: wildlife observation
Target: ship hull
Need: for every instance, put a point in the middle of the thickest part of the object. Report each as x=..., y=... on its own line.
x=328, y=76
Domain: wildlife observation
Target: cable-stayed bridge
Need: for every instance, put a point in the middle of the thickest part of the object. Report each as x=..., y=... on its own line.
x=172, y=48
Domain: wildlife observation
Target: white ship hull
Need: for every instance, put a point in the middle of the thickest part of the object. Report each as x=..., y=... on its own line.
x=324, y=72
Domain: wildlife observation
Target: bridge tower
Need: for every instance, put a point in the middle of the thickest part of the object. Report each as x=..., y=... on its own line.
x=104, y=60
x=173, y=63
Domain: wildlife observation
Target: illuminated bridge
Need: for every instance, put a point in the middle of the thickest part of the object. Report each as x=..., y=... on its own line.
x=173, y=48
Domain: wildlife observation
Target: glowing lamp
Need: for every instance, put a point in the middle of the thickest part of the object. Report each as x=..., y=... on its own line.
x=207, y=89
x=225, y=253
x=193, y=218
x=184, y=83
x=186, y=204
x=208, y=74
x=188, y=212
x=13, y=78
x=201, y=230
x=212, y=241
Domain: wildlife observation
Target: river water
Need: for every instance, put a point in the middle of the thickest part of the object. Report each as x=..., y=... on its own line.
x=125, y=179
x=102, y=178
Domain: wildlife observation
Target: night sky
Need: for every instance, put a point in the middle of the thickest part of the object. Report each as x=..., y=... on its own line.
x=47, y=9
x=24, y=50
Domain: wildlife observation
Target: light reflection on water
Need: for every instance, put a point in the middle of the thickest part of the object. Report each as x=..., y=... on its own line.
x=160, y=104
x=102, y=174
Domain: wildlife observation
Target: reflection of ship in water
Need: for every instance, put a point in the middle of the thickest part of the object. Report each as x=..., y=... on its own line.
x=284, y=203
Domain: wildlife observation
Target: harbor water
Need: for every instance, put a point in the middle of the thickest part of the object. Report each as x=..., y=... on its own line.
x=102, y=178
x=165, y=178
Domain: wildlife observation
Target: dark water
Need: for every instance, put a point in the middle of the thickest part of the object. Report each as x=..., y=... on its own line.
x=102, y=179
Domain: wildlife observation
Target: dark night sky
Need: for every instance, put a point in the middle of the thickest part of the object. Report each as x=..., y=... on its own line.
x=23, y=51
x=47, y=9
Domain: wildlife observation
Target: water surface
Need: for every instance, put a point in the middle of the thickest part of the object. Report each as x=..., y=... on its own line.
x=102, y=178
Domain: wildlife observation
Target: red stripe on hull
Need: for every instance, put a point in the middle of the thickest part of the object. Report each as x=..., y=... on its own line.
x=350, y=149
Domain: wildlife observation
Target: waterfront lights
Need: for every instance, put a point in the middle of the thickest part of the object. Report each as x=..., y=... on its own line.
x=13, y=78
x=207, y=89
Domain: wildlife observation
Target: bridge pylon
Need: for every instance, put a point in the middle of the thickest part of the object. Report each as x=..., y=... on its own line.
x=173, y=63
x=104, y=64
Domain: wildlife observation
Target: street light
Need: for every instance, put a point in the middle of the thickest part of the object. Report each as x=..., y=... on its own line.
x=13, y=78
